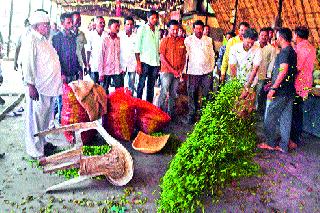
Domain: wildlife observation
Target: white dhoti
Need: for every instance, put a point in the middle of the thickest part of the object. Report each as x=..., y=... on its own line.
x=38, y=116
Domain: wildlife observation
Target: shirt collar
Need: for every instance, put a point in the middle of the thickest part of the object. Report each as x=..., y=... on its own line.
x=109, y=36
x=302, y=43
x=102, y=34
x=257, y=43
x=76, y=32
x=202, y=38
x=155, y=27
x=123, y=33
x=69, y=35
x=38, y=35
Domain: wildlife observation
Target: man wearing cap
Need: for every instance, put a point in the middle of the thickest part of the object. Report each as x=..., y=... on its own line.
x=42, y=75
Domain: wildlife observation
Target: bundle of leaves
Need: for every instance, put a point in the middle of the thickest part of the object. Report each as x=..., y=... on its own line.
x=172, y=145
x=220, y=149
x=87, y=151
x=95, y=150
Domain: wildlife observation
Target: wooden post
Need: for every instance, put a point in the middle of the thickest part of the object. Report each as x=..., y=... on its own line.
x=278, y=21
x=235, y=16
x=50, y=11
x=29, y=11
x=10, y=25
x=207, y=11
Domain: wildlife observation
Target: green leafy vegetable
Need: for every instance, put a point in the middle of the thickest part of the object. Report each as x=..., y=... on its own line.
x=219, y=150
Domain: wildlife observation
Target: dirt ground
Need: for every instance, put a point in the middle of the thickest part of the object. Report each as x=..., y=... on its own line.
x=287, y=183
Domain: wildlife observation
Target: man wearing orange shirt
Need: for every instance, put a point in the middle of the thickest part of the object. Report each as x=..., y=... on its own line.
x=172, y=57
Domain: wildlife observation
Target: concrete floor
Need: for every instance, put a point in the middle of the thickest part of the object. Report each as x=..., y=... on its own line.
x=287, y=183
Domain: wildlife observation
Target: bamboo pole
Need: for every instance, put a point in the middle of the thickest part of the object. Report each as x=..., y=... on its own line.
x=235, y=16
x=278, y=22
x=207, y=11
x=29, y=10
x=50, y=11
x=10, y=26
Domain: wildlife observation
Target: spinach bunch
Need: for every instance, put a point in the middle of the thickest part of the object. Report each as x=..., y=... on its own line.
x=219, y=150
x=95, y=150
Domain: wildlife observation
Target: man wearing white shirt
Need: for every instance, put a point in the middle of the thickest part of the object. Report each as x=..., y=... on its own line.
x=265, y=68
x=94, y=47
x=127, y=52
x=200, y=66
x=19, y=47
x=245, y=59
x=42, y=75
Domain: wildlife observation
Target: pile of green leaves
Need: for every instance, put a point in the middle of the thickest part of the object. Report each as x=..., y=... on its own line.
x=95, y=150
x=219, y=150
x=68, y=173
x=87, y=151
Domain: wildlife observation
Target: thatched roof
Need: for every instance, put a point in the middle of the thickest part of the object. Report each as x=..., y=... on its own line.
x=263, y=13
x=136, y=8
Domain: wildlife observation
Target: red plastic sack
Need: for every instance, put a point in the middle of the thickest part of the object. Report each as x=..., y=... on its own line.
x=120, y=118
x=150, y=118
x=72, y=112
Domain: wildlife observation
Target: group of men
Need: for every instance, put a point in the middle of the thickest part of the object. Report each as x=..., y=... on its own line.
x=108, y=55
x=287, y=70
x=49, y=60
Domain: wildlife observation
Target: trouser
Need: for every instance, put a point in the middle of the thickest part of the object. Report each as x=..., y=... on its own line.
x=38, y=116
x=196, y=83
x=95, y=77
x=261, y=97
x=117, y=80
x=151, y=72
x=168, y=86
x=215, y=84
x=131, y=81
x=0, y=68
x=59, y=98
x=297, y=120
x=227, y=78
x=278, y=114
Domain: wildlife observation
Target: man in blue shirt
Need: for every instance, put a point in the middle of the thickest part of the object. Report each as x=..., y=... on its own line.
x=66, y=46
